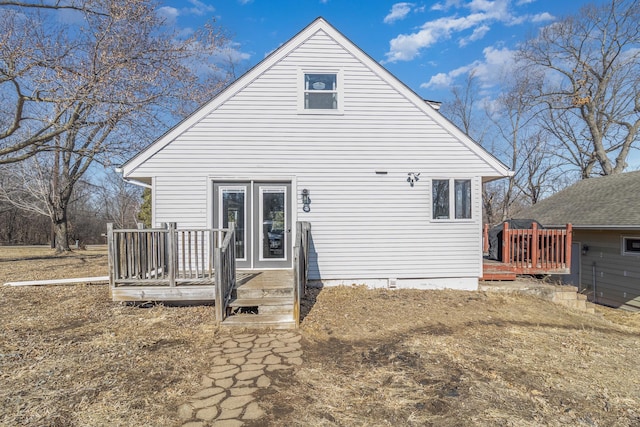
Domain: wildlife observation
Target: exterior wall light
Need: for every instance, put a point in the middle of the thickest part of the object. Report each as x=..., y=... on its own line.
x=585, y=249
x=305, y=200
x=413, y=178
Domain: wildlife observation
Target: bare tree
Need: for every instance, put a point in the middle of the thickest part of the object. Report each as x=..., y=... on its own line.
x=90, y=90
x=591, y=87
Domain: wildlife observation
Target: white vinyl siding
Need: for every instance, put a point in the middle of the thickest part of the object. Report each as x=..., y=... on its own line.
x=364, y=225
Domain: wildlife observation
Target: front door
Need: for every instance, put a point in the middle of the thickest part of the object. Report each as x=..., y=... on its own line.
x=262, y=214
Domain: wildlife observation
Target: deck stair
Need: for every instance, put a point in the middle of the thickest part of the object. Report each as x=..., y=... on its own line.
x=262, y=300
x=494, y=270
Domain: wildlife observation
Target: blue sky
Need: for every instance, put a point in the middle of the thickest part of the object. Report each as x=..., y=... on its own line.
x=429, y=45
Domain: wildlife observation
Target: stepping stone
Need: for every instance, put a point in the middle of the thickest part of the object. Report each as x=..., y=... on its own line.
x=224, y=382
x=242, y=391
x=295, y=361
x=225, y=374
x=208, y=392
x=249, y=374
x=237, y=361
x=252, y=412
x=194, y=424
x=272, y=360
x=252, y=367
x=185, y=412
x=207, y=414
x=245, y=344
x=229, y=344
x=209, y=401
x=235, y=402
x=206, y=381
x=263, y=381
x=297, y=353
x=258, y=354
x=247, y=383
x=230, y=413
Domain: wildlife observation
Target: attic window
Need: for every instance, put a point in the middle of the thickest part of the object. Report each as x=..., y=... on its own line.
x=631, y=245
x=321, y=92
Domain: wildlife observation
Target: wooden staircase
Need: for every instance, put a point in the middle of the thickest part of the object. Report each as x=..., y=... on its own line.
x=262, y=299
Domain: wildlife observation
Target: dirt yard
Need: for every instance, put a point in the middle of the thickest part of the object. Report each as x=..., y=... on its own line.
x=71, y=357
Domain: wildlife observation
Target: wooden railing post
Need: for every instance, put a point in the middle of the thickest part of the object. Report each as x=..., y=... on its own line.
x=506, y=243
x=535, y=241
x=569, y=241
x=171, y=252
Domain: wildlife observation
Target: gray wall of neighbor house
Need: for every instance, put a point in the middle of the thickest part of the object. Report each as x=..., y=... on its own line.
x=610, y=266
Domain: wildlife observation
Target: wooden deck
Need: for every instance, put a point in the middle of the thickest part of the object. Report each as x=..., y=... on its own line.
x=529, y=252
x=198, y=266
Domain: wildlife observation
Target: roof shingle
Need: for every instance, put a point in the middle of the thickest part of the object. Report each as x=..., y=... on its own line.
x=609, y=201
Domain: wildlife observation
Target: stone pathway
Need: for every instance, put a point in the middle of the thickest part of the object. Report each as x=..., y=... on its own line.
x=241, y=366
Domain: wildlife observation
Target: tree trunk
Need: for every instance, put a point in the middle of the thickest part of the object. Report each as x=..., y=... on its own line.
x=61, y=229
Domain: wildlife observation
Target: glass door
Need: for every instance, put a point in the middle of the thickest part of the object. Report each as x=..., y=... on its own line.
x=233, y=205
x=272, y=214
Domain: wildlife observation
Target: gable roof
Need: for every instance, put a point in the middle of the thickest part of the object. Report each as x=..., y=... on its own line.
x=317, y=25
x=607, y=202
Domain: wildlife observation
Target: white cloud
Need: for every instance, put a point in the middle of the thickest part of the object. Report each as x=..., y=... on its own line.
x=405, y=47
x=199, y=8
x=243, y=2
x=479, y=17
x=170, y=14
x=543, y=17
x=446, y=5
x=398, y=11
x=496, y=62
x=521, y=2
x=477, y=34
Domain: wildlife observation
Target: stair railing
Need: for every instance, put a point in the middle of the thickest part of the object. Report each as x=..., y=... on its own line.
x=225, y=271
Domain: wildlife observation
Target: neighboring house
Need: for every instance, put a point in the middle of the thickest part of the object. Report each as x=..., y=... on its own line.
x=320, y=132
x=605, y=214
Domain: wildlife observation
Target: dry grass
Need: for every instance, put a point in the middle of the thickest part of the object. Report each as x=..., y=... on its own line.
x=446, y=358
x=71, y=357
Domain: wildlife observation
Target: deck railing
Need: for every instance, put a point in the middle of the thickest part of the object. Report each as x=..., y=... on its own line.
x=174, y=257
x=537, y=250
x=300, y=265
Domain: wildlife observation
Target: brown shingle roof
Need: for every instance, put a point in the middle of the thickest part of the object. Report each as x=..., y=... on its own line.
x=609, y=201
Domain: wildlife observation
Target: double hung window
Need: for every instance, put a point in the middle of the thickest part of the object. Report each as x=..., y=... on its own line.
x=321, y=92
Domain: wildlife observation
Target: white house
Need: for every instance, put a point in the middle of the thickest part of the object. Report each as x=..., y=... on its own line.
x=320, y=132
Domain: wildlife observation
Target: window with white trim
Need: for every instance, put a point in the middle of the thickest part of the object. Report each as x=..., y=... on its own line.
x=320, y=92
x=451, y=196
x=631, y=245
